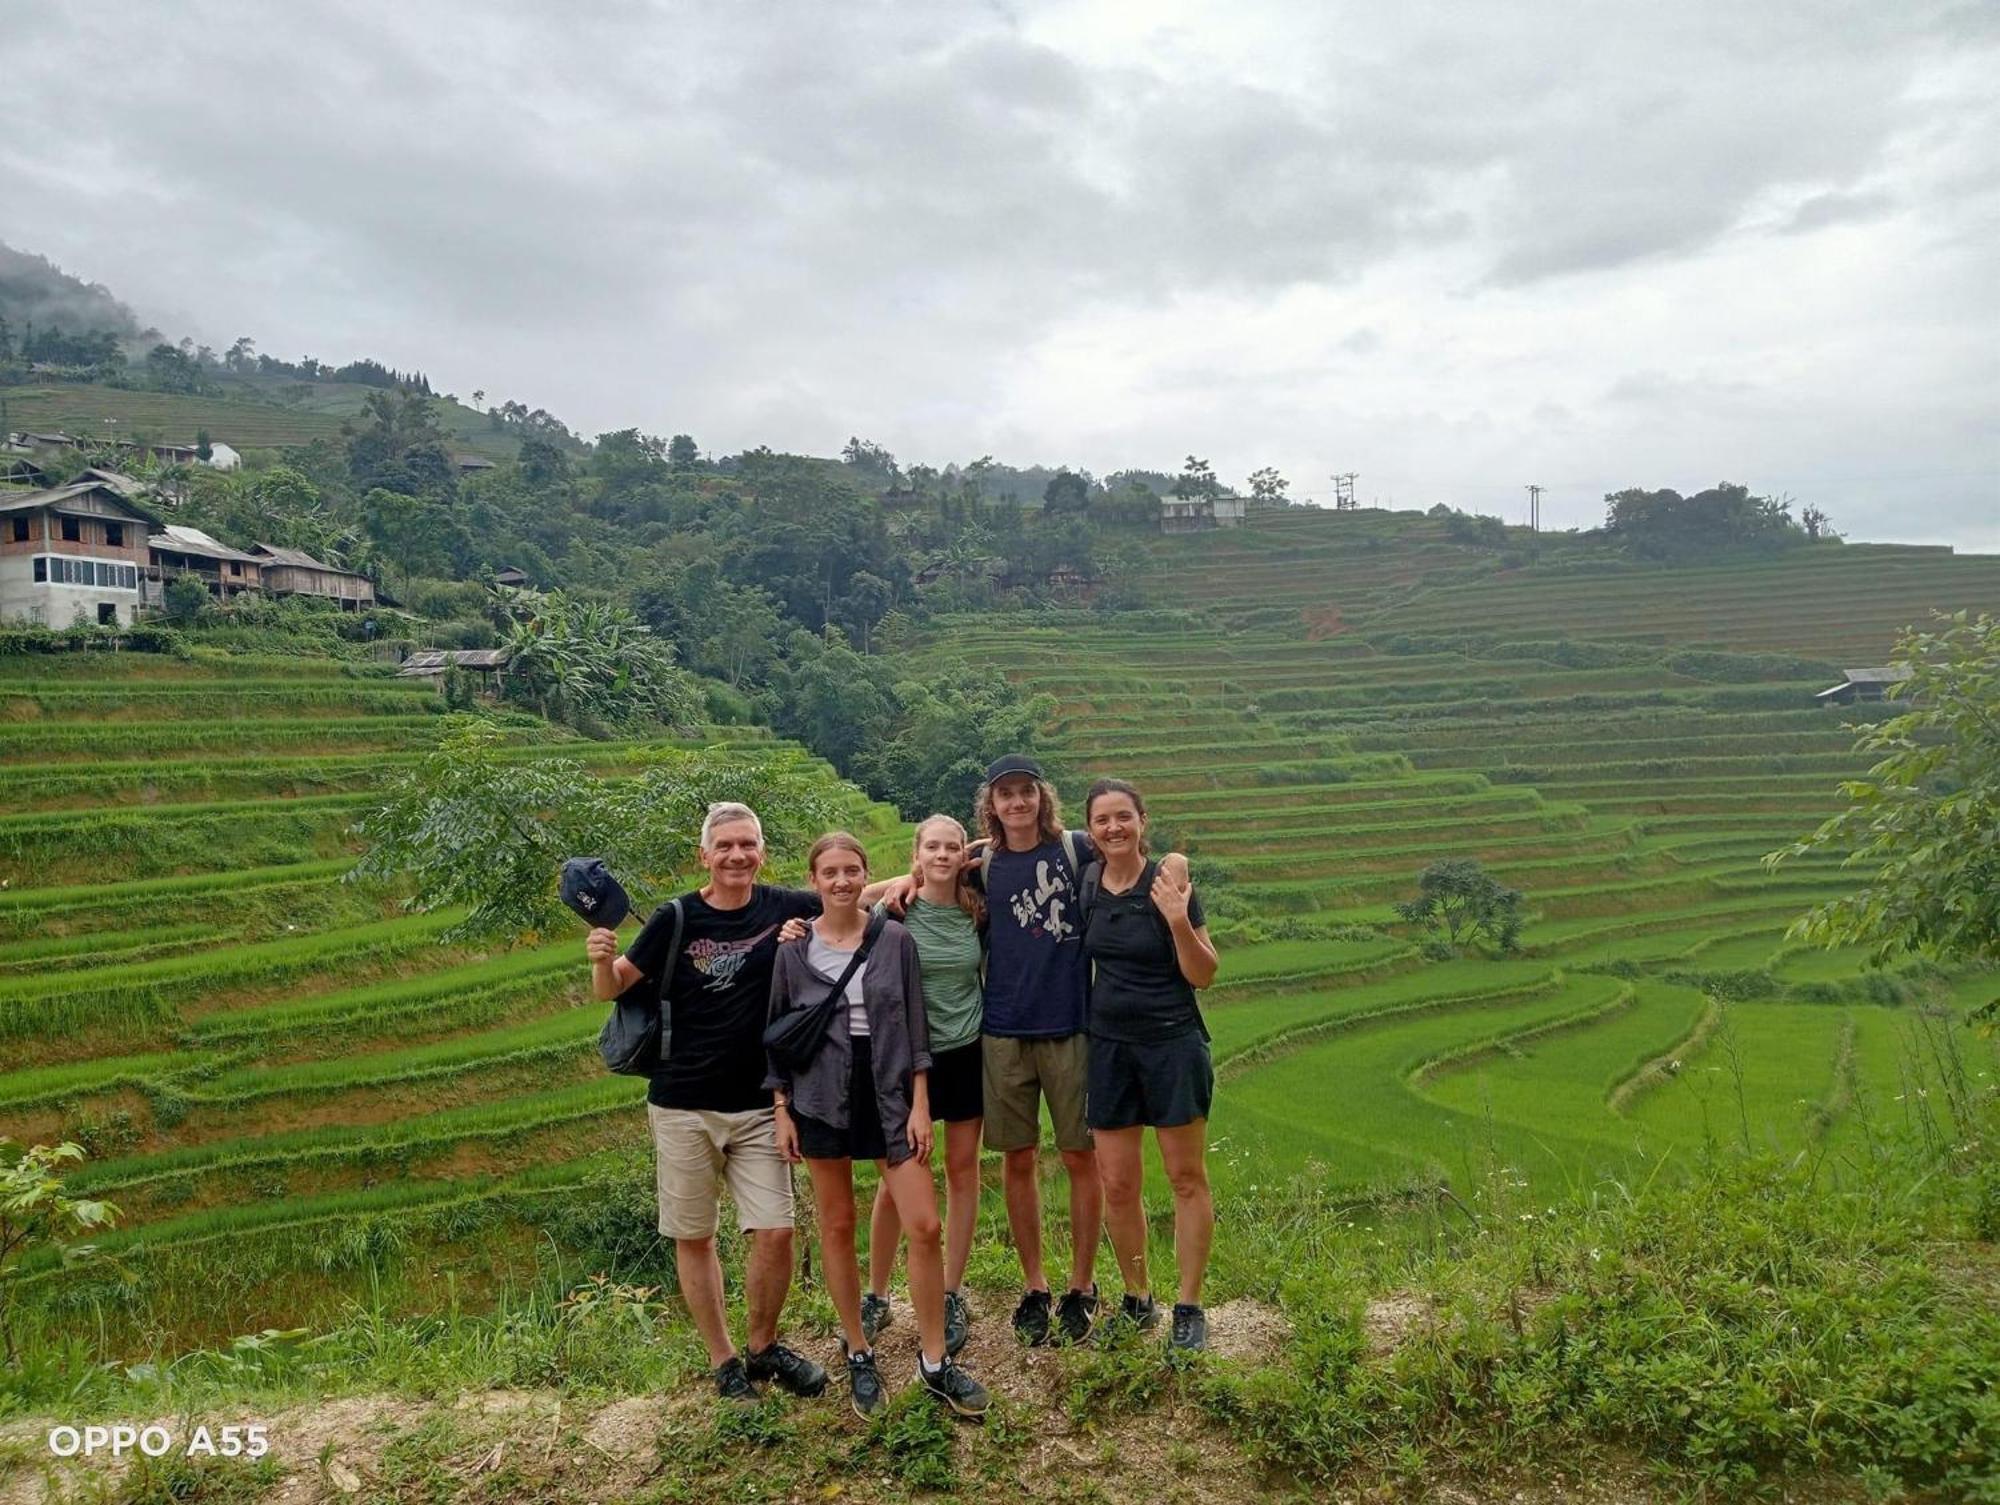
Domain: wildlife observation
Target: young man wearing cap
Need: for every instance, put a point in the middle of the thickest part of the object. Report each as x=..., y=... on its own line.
x=711, y=1115
x=1033, y=1042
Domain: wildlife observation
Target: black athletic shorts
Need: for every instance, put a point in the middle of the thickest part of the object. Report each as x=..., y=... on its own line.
x=1159, y=1085
x=958, y=1083
x=862, y=1138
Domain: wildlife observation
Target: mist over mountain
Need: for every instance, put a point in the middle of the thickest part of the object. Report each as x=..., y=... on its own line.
x=35, y=291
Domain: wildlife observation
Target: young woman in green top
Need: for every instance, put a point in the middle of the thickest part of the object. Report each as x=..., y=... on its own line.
x=947, y=918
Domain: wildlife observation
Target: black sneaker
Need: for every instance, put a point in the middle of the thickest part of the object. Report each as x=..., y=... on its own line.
x=957, y=1323
x=1031, y=1318
x=1190, y=1331
x=876, y=1313
x=732, y=1383
x=793, y=1371
x=1144, y=1315
x=1076, y=1313
x=954, y=1387
x=864, y=1384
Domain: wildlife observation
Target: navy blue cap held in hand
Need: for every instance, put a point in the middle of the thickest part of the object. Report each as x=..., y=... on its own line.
x=590, y=890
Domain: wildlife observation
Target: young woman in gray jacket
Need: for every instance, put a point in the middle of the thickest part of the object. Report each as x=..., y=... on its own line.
x=866, y=1096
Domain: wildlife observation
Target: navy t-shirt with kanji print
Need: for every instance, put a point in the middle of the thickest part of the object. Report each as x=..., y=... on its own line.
x=718, y=997
x=1036, y=975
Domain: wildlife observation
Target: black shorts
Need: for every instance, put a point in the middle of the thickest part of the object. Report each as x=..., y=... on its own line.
x=958, y=1084
x=862, y=1138
x=1159, y=1085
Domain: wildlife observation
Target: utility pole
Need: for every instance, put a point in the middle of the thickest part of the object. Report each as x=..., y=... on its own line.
x=1535, y=509
x=1343, y=491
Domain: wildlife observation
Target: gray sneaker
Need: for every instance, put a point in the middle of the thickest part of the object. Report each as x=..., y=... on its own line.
x=1190, y=1329
x=957, y=1323
x=955, y=1388
x=1144, y=1315
x=864, y=1382
x=876, y=1313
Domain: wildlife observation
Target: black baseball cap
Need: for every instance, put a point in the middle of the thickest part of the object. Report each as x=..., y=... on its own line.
x=596, y=896
x=1013, y=763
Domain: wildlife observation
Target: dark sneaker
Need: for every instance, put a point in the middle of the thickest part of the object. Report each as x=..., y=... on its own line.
x=957, y=1323
x=793, y=1371
x=1190, y=1330
x=954, y=1387
x=1144, y=1315
x=1076, y=1314
x=732, y=1383
x=864, y=1384
x=876, y=1314
x=1031, y=1317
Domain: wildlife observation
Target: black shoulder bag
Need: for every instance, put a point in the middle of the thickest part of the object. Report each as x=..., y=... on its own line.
x=795, y=1036
x=633, y=1041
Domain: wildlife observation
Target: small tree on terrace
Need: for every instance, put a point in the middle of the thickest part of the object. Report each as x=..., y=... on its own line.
x=1925, y=822
x=35, y=1211
x=1467, y=904
x=1268, y=487
x=469, y=827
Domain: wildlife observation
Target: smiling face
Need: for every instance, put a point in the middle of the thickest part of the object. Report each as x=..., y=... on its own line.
x=1116, y=826
x=1017, y=800
x=838, y=876
x=940, y=853
x=734, y=856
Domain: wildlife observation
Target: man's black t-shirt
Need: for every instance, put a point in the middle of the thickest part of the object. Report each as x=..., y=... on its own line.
x=718, y=997
x=1137, y=992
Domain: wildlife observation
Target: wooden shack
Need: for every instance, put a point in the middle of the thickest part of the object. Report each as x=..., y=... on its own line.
x=293, y=572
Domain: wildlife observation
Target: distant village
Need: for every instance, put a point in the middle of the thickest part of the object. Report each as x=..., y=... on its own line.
x=93, y=544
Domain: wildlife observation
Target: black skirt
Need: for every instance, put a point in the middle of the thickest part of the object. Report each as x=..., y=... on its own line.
x=862, y=1139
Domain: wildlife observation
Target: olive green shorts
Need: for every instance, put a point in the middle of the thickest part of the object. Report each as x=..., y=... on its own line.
x=1020, y=1075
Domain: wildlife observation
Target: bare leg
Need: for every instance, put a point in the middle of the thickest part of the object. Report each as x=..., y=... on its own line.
x=767, y=1279
x=700, y=1272
x=1024, y=1214
x=1121, y=1159
x=833, y=1196
x=916, y=1202
x=1185, y=1151
x=1086, y=1215
x=961, y=1198
x=885, y=1230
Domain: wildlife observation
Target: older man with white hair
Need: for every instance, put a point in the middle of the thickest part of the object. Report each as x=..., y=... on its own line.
x=711, y=1114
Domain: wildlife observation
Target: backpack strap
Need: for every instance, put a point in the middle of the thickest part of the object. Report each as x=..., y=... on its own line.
x=985, y=867
x=1088, y=890
x=1069, y=848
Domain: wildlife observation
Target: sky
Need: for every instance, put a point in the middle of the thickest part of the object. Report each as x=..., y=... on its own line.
x=1454, y=249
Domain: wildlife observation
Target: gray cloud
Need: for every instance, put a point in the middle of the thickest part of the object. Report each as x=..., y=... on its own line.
x=1426, y=244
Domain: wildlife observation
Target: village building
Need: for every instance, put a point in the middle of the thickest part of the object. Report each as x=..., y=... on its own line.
x=178, y=550
x=1198, y=514
x=467, y=465
x=435, y=663
x=293, y=572
x=77, y=550
x=512, y=578
x=1866, y=684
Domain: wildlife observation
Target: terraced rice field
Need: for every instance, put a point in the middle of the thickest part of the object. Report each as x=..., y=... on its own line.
x=244, y=1041
x=1354, y=696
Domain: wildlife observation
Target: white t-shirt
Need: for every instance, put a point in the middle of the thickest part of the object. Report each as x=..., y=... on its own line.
x=833, y=962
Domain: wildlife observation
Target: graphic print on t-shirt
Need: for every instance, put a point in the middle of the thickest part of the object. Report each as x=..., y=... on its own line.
x=718, y=962
x=1042, y=908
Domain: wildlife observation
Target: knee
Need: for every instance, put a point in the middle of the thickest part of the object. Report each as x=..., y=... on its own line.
x=923, y=1231
x=1188, y=1181
x=1122, y=1185
x=772, y=1243
x=836, y=1222
x=695, y=1249
x=1082, y=1165
x=1020, y=1165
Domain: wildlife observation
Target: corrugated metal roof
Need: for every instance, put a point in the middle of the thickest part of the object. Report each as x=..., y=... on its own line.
x=185, y=540
x=437, y=660
x=55, y=496
x=299, y=557
x=1891, y=674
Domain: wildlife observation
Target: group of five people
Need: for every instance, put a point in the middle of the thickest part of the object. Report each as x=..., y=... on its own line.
x=1035, y=966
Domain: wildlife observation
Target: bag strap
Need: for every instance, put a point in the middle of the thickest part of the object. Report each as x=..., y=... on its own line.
x=1069, y=848
x=673, y=946
x=1093, y=884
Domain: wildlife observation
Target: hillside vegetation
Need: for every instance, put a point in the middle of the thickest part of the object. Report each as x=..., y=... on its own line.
x=1659, y=1194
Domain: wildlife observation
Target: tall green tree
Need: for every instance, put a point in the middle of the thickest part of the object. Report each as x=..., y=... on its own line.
x=1923, y=825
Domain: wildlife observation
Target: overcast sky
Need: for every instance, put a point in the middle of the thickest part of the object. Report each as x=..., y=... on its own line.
x=1454, y=249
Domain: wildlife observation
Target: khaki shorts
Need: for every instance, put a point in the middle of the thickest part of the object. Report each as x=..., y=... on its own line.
x=1019, y=1074
x=695, y=1152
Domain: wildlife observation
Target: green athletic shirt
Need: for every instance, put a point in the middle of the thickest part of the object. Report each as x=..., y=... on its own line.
x=948, y=952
